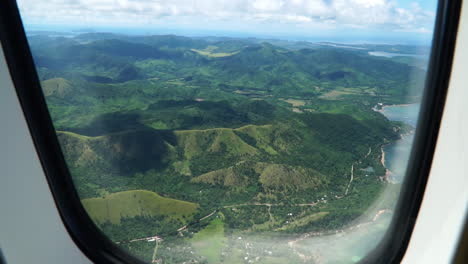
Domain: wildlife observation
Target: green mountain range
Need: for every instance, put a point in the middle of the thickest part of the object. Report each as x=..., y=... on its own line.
x=242, y=136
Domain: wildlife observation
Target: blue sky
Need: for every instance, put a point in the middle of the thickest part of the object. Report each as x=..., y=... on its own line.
x=353, y=20
x=429, y=5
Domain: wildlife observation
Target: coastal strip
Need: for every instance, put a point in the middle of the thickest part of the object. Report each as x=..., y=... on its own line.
x=388, y=173
x=382, y=106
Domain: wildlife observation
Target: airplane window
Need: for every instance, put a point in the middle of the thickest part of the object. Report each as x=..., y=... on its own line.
x=235, y=131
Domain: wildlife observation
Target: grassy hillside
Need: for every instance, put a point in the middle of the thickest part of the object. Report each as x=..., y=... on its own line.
x=113, y=207
x=282, y=177
x=216, y=140
x=58, y=87
x=210, y=241
x=269, y=176
x=120, y=153
x=308, y=151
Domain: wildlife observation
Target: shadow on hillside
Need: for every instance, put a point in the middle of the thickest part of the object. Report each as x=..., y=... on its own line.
x=126, y=145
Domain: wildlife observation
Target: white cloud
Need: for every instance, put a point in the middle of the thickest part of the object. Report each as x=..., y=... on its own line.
x=268, y=5
x=368, y=14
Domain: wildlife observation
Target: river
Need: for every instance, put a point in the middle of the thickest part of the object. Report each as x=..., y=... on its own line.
x=397, y=153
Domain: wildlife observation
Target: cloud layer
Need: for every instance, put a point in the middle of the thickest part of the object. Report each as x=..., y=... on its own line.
x=310, y=14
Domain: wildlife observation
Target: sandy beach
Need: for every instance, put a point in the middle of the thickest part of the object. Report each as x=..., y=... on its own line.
x=388, y=173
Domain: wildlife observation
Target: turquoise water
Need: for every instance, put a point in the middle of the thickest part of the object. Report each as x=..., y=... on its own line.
x=405, y=113
x=397, y=153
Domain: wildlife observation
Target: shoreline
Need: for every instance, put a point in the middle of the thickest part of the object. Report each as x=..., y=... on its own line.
x=389, y=105
x=382, y=159
x=388, y=172
x=337, y=233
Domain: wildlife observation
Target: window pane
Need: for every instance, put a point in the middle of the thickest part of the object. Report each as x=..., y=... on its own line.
x=235, y=131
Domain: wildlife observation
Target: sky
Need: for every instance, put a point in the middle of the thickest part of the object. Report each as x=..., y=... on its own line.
x=355, y=20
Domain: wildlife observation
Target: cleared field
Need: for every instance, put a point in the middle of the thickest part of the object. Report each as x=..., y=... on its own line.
x=210, y=241
x=294, y=102
x=58, y=87
x=113, y=207
x=303, y=221
x=339, y=93
x=210, y=53
x=333, y=95
x=274, y=260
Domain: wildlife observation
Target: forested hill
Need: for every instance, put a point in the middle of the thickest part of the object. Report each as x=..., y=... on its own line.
x=232, y=63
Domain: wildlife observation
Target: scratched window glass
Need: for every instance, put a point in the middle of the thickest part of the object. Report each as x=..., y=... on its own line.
x=261, y=131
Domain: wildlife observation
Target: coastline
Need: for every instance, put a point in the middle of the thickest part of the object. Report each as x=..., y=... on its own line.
x=390, y=105
x=337, y=233
x=382, y=160
x=388, y=173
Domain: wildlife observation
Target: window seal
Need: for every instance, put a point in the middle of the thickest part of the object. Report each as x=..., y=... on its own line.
x=84, y=233
x=99, y=249
x=2, y=258
x=395, y=242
